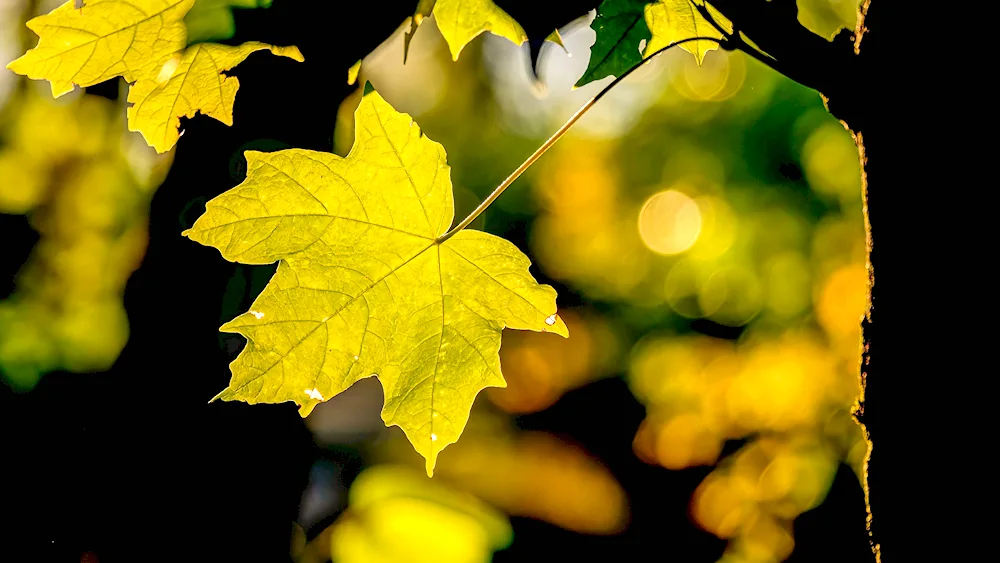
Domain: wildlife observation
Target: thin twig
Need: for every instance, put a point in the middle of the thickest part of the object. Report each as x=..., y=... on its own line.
x=558, y=135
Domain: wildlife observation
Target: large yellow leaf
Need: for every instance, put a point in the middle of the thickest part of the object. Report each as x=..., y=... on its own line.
x=144, y=42
x=673, y=20
x=197, y=84
x=461, y=21
x=363, y=285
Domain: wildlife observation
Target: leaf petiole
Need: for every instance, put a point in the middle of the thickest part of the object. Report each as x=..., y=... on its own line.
x=558, y=135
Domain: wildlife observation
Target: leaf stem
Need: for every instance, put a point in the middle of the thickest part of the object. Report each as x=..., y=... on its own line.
x=558, y=135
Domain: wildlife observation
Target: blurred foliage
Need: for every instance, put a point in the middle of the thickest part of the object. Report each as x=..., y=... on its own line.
x=85, y=187
x=529, y=474
x=397, y=515
x=704, y=223
x=710, y=218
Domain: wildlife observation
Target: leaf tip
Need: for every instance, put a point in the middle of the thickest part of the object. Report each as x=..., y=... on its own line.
x=352, y=73
x=306, y=408
x=557, y=326
x=291, y=51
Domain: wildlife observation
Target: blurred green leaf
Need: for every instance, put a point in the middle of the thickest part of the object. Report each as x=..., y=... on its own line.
x=212, y=20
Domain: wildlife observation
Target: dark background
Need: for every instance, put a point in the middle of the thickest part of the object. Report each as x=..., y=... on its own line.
x=135, y=465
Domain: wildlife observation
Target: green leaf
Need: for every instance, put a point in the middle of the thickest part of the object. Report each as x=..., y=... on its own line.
x=673, y=20
x=621, y=29
x=364, y=287
x=212, y=20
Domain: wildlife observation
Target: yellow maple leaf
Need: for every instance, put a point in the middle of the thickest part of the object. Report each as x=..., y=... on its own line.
x=670, y=21
x=196, y=84
x=102, y=40
x=461, y=21
x=144, y=42
x=364, y=284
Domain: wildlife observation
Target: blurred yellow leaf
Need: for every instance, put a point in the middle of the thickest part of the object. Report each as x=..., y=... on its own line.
x=197, y=84
x=364, y=287
x=828, y=17
x=66, y=164
x=539, y=370
x=539, y=476
x=142, y=41
x=395, y=515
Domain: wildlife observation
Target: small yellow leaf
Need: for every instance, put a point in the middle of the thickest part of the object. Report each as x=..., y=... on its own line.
x=144, y=42
x=195, y=83
x=363, y=285
x=461, y=21
x=102, y=40
x=353, y=72
x=670, y=21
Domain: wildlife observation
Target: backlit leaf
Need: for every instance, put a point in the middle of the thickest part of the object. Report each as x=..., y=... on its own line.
x=144, y=42
x=363, y=286
x=102, y=40
x=621, y=30
x=673, y=20
x=461, y=21
x=197, y=84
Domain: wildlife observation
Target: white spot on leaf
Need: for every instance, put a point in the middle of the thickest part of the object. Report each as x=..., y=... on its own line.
x=550, y=320
x=257, y=314
x=315, y=394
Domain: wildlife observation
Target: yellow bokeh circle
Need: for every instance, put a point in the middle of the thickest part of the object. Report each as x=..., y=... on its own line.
x=669, y=222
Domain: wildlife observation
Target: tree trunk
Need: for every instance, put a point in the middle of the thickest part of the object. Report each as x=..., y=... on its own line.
x=897, y=346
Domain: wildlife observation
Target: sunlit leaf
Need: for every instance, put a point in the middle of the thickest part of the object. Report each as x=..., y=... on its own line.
x=461, y=21
x=364, y=287
x=197, y=84
x=673, y=20
x=102, y=40
x=144, y=42
x=621, y=33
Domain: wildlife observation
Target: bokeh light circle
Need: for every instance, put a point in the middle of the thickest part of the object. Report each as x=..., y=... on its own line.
x=669, y=222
